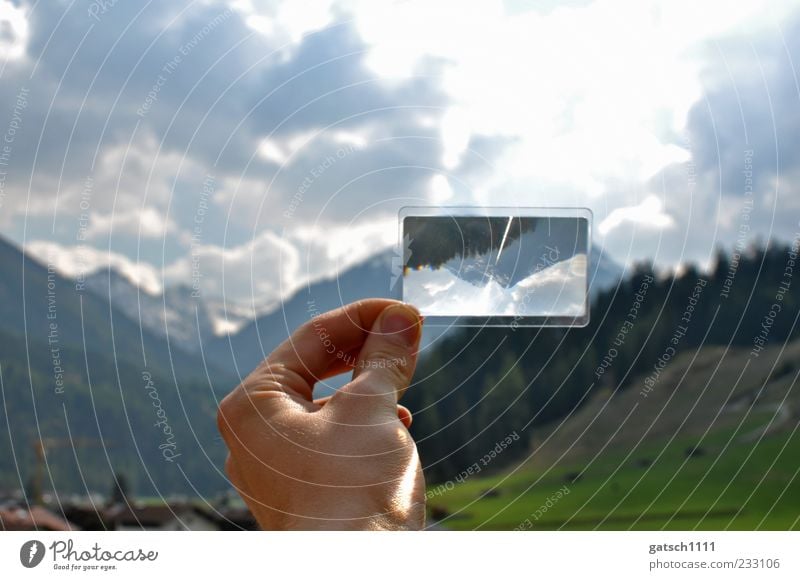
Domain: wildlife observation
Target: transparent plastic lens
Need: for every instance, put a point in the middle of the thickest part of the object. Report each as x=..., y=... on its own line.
x=496, y=266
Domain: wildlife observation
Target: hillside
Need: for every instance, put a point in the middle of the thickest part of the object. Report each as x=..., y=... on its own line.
x=108, y=416
x=370, y=279
x=176, y=314
x=703, y=390
x=41, y=305
x=89, y=382
x=242, y=351
x=712, y=446
x=479, y=385
x=73, y=368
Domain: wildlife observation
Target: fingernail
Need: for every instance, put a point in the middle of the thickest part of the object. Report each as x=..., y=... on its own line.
x=402, y=323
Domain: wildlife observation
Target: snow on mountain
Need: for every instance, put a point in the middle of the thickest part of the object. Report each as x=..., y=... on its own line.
x=248, y=337
x=559, y=290
x=186, y=320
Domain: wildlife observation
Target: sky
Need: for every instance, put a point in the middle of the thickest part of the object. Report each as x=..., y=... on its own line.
x=248, y=148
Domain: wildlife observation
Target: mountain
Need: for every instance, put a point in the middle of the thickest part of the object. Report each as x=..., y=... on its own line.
x=89, y=384
x=101, y=416
x=245, y=349
x=103, y=391
x=704, y=392
x=39, y=304
x=176, y=313
x=72, y=370
x=604, y=272
x=557, y=290
x=82, y=364
x=188, y=321
x=713, y=446
x=370, y=279
x=479, y=385
x=531, y=251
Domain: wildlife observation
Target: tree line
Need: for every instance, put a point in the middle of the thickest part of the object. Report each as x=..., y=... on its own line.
x=478, y=385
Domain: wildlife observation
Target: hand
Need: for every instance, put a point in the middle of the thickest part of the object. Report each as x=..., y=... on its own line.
x=343, y=462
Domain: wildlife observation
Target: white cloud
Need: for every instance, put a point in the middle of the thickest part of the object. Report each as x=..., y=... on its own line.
x=292, y=19
x=82, y=260
x=248, y=275
x=354, y=138
x=257, y=275
x=126, y=178
x=328, y=249
x=282, y=151
x=456, y=130
x=559, y=290
x=299, y=18
x=400, y=34
x=595, y=91
x=588, y=101
x=271, y=151
x=649, y=213
x=147, y=222
x=13, y=31
x=440, y=190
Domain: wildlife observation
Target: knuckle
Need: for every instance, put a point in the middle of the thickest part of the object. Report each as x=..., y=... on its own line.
x=387, y=369
x=233, y=473
x=399, y=374
x=229, y=413
x=387, y=357
x=369, y=389
x=361, y=386
x=276, y=376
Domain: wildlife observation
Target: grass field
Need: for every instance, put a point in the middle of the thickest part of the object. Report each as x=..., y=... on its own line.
x=740, y=489
x=738, y=469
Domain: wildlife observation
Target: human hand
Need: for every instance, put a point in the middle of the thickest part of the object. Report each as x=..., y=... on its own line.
x=343, y=462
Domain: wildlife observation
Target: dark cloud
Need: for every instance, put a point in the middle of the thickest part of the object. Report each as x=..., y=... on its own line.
x=141, y=106
x=228, y=89
x=745, y=126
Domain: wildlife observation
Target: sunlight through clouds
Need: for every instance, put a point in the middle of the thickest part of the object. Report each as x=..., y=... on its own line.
x=310, y=113
x=649, y=213
x=13, y=31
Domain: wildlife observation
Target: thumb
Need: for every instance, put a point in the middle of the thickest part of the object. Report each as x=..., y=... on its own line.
x=386, y=362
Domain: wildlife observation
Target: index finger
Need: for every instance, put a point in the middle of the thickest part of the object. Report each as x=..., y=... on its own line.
x=322, y=342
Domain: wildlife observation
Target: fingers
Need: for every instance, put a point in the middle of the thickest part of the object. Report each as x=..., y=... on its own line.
x=320, y=344
x=385, y=363
x=288, y=374
x=405, y=416
x=403, y=412
x=388, y=356
x=342, y=364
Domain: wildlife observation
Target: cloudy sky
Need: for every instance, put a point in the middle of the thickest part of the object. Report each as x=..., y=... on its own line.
x=251, y=146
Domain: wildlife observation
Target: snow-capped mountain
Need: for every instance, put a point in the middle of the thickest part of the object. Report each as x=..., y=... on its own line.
x=176, y=314
x=188, y=321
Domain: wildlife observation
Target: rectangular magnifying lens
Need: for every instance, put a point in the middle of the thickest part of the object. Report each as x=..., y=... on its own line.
x=479, y=266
